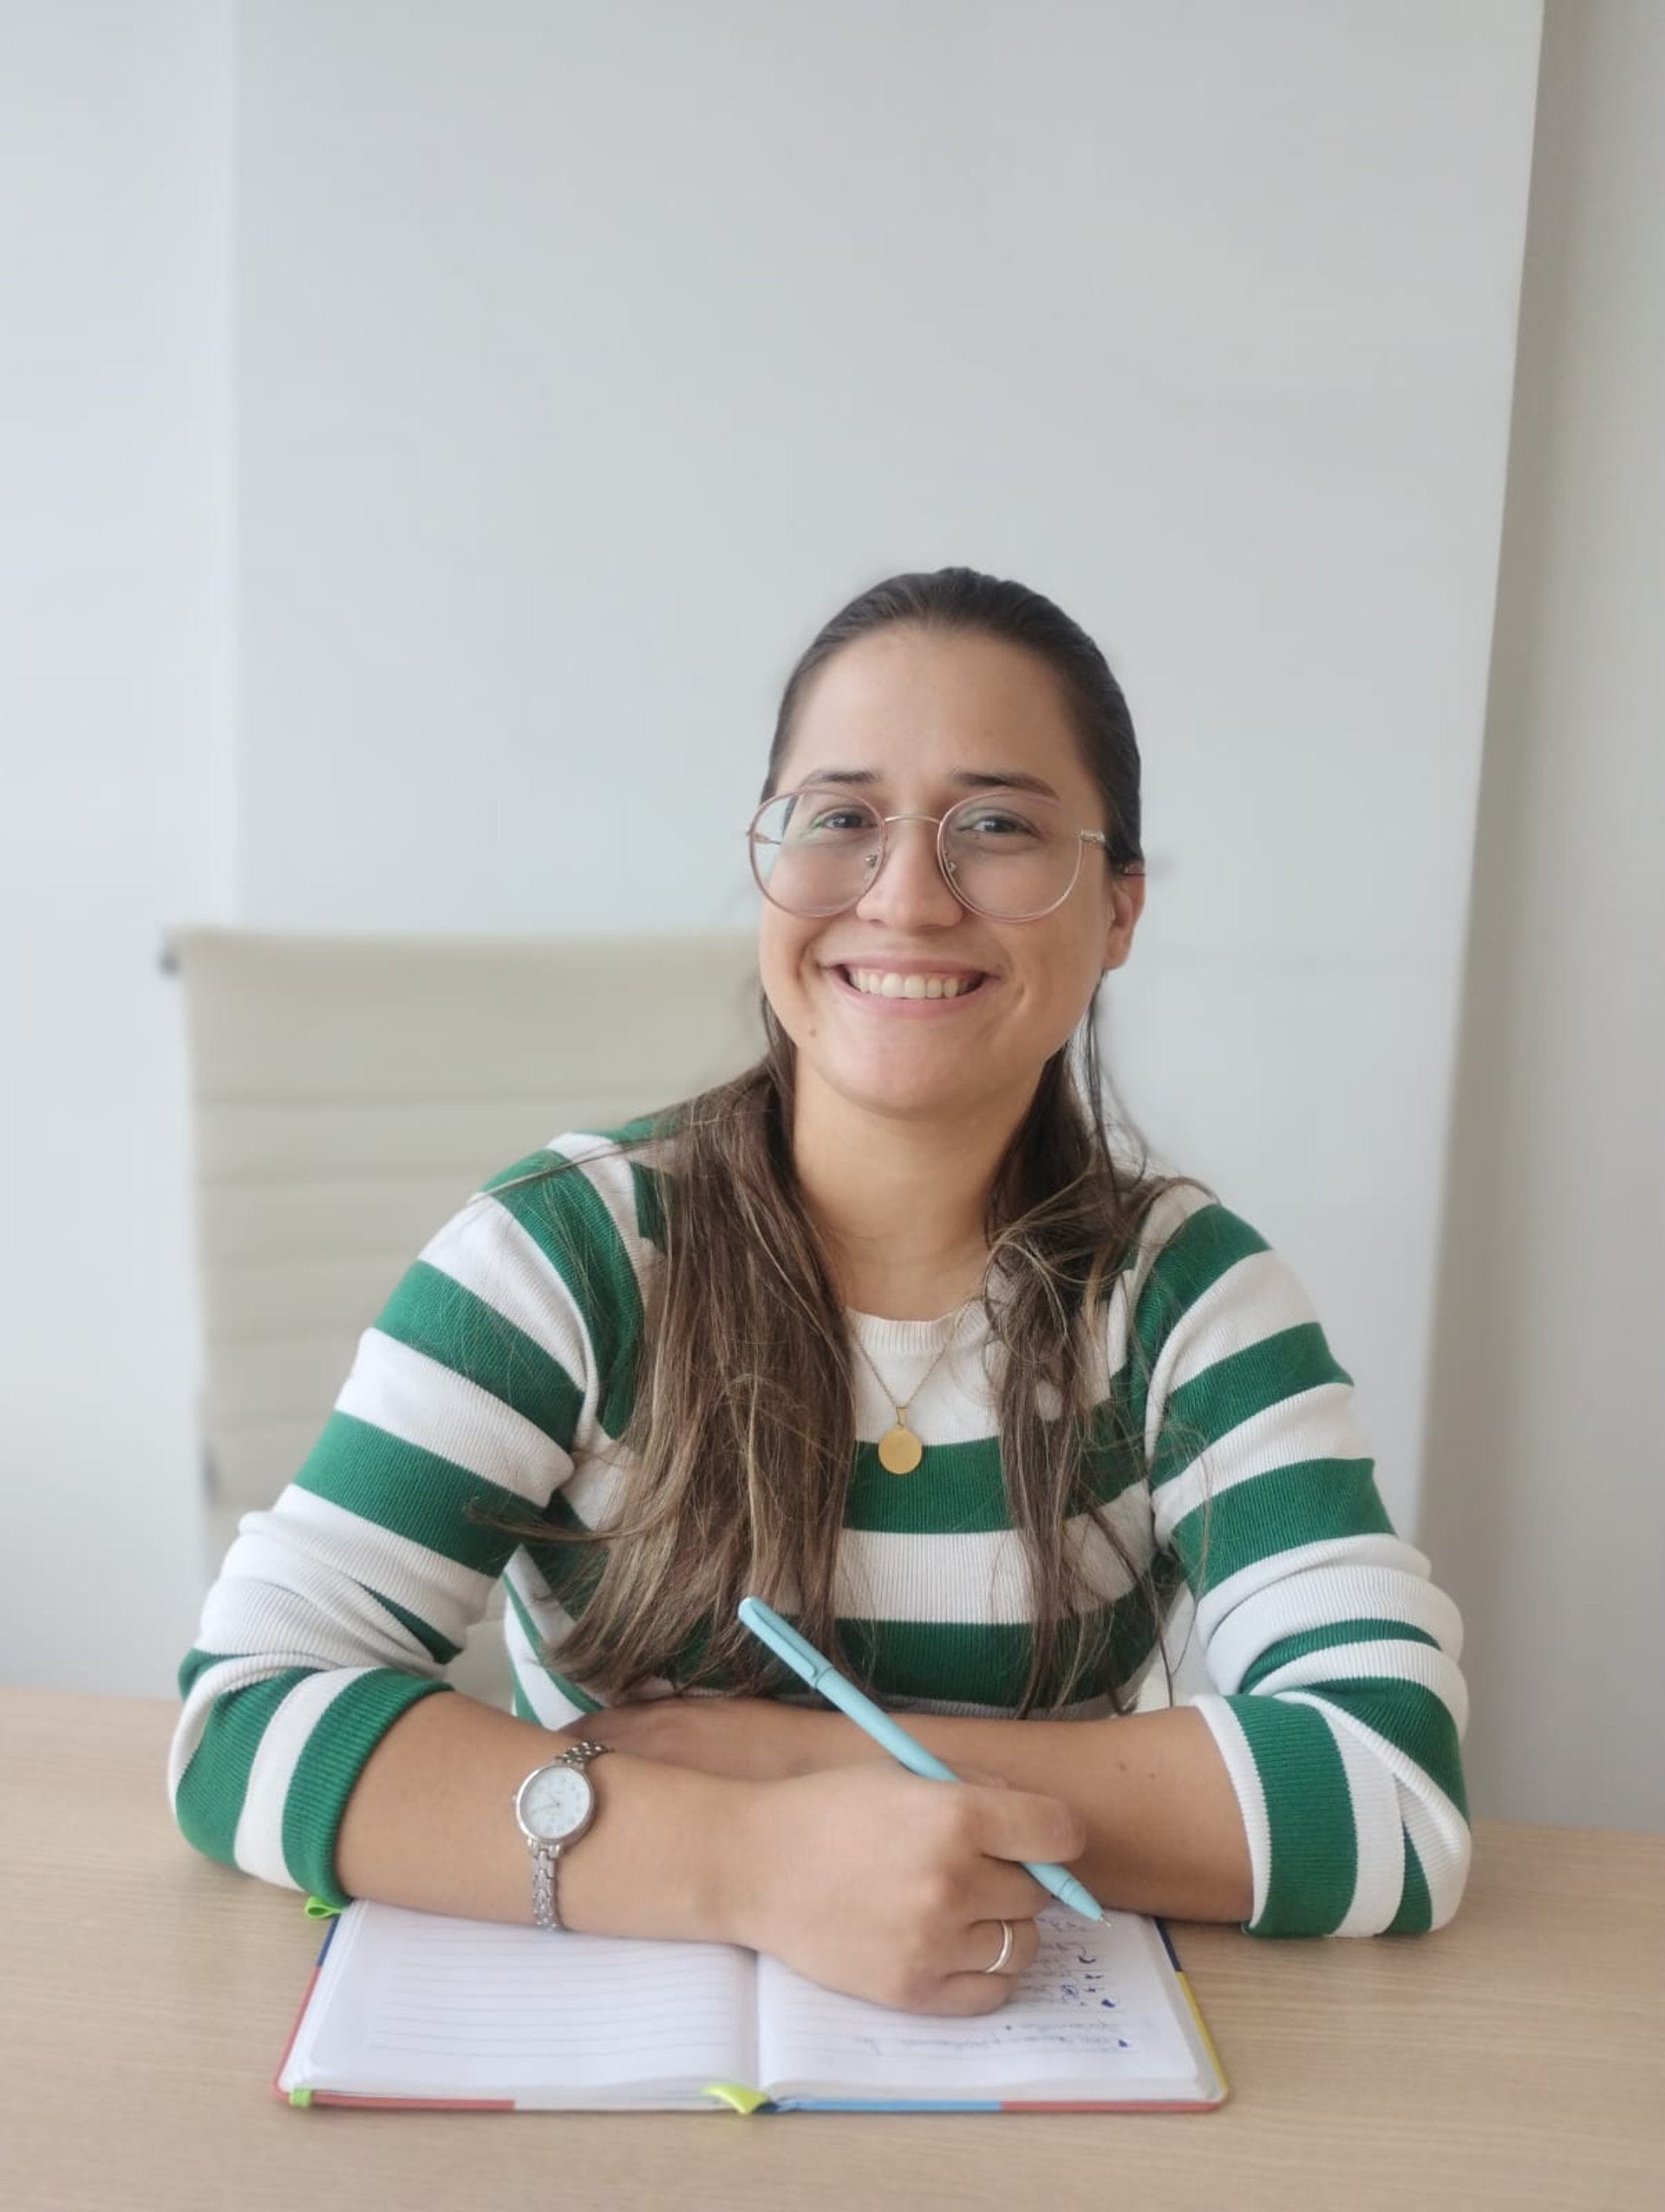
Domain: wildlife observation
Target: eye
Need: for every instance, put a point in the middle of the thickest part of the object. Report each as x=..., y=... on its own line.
x=992, y=824
x=823, y=817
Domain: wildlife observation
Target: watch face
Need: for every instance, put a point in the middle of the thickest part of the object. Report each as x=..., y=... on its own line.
x=555, y=1802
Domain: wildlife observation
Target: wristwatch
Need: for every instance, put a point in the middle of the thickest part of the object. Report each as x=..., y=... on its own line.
x=555, y=1805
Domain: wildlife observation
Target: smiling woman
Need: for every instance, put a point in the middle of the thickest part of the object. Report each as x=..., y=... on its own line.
x=989, y=891
x=889, y=1331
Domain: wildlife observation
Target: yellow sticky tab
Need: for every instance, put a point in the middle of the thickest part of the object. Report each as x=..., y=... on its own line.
x=301, y=2098
x=319, y=1909
x=737, y=2094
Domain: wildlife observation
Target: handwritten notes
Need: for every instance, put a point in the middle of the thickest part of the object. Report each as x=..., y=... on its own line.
x=1093, y=1997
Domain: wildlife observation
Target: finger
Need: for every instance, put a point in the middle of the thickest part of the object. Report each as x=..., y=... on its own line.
x=1003, y=1891
x=986, y=1939
x=965, y=1995
x=1022, y=1825
x=984, y=1779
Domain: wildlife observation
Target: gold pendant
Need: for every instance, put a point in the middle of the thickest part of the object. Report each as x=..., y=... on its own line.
x=900, y=1450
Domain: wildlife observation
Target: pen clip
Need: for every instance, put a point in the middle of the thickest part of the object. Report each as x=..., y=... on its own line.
x=766, y=1623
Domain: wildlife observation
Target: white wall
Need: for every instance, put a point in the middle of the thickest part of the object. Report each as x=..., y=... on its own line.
x=115, y=722
x=585, y=359
x=1547, y=1491
x=589, y=358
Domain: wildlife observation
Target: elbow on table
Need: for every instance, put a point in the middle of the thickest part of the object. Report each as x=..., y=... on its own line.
x=1435, y=1877
x=1406, y=1882
x=266, y=1756
x=1413, y=1883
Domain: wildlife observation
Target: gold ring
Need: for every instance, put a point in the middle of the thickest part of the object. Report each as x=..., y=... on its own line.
x=1005, y=1949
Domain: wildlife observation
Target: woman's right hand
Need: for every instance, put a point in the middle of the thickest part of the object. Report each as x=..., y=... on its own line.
x=873, y=1881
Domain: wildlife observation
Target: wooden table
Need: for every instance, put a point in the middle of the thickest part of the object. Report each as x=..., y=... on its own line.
x=1516, y=2059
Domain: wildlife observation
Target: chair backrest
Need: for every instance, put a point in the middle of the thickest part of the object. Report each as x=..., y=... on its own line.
x=349, y=1092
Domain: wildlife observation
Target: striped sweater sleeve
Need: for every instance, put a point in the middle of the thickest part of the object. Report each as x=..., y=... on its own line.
x=339, y=1608
x=1336, y=1705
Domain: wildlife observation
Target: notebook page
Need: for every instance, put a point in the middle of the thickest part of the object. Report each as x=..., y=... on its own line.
x=1098, y=2015
x=417, y=2005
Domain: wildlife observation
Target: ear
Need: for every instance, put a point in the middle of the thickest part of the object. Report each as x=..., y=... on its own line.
x=1127, y=904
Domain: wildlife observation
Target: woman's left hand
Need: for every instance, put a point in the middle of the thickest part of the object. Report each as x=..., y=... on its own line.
x=750, y=1739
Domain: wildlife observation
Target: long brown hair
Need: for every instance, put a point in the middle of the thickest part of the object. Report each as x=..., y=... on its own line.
x=738, y=1453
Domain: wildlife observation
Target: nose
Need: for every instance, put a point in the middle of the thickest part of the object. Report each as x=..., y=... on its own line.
x=910, y=890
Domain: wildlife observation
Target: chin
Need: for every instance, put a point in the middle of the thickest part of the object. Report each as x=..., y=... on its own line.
x=893, y=1094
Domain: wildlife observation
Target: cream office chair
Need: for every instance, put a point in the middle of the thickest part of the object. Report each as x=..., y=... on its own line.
x=349, y=1092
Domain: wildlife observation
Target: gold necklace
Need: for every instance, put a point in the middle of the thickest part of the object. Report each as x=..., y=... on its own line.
x=900, y=1450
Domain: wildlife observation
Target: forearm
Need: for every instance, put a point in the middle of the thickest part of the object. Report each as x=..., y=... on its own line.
x=430, y=1824
x=1164, y=1828
x=866, y=1880
x=1164, y=1831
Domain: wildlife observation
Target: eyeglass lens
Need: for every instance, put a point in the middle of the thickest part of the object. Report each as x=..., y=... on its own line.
x=1013, y=856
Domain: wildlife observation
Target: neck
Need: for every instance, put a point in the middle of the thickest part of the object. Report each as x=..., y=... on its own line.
x=899, y=1205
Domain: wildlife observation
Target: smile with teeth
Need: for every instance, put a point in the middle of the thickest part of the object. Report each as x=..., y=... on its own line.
x=885, y=983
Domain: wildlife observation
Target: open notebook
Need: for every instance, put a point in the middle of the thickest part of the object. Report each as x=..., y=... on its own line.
x=413, y=2008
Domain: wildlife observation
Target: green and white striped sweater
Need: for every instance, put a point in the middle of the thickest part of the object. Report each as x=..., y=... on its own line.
x=502, y=1368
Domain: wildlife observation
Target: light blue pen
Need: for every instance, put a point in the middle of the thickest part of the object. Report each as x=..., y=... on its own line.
x=821, y=1674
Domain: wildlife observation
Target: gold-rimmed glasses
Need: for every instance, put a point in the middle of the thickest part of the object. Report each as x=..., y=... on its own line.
x=1013, y=856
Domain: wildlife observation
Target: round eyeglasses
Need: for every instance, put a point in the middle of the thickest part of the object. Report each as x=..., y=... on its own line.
x=1012, y=856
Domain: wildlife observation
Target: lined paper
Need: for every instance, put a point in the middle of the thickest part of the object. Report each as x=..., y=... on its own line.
x=417, y=2005
x=411, y=2005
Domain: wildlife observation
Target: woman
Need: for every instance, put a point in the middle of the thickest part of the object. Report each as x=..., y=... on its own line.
x=885, y=1332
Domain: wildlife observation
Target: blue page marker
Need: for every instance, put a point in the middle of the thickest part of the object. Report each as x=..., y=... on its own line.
x=821, y=1674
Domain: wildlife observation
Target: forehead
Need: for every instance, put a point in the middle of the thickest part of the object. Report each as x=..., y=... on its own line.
x=910, y=699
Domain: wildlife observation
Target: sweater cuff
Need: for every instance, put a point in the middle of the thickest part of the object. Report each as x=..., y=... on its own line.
x=1298, y=1811
x=329, y=1767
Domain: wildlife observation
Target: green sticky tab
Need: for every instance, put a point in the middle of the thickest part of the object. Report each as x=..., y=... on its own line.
x=320, y=1909
x=737, y=2094
x=300, y=2098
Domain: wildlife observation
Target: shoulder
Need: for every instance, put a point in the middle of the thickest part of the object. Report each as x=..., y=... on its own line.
x=1186, y=1239
x=593, y=1193
x=573, y=1222
x=1195, y=1256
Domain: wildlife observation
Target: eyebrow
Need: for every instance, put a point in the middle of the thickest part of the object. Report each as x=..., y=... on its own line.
x=967, y=780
